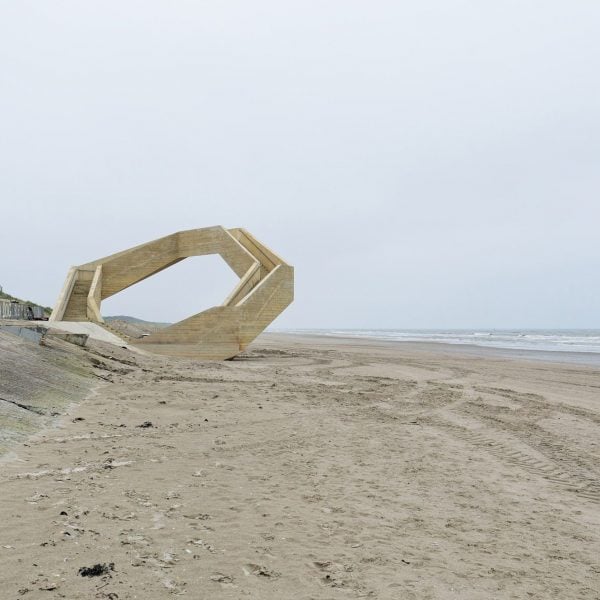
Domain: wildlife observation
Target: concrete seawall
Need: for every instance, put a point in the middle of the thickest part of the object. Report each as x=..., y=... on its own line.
x=38, y=383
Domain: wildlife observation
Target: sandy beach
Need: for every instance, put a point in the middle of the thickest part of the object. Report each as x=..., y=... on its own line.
x=312, y=468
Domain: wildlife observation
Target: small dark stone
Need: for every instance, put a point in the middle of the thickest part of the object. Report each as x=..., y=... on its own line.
x=146, y=424
x=64, y=513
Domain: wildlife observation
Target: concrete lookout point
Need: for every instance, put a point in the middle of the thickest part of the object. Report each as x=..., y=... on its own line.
x=265, y=289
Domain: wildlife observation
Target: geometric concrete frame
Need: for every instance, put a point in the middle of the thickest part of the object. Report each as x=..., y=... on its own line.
x=265, y=289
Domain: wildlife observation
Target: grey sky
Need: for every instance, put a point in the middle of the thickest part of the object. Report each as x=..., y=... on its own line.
x=422, y=164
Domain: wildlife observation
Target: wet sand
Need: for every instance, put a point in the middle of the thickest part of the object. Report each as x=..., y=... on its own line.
x=313, y=469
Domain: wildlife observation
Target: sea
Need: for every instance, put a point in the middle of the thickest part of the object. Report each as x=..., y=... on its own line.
x=557, y=340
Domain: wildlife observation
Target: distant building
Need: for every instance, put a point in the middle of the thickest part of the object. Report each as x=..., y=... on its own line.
x=12, y=309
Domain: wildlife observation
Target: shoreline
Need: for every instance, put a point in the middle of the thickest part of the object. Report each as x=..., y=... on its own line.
x=467, y=350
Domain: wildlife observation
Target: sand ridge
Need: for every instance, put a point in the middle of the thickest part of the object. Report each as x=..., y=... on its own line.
x=313, y=470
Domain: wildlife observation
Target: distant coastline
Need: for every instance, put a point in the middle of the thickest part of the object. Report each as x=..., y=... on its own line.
x=545, y=340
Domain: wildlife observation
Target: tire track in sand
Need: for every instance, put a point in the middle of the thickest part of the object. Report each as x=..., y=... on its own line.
x=581, y=484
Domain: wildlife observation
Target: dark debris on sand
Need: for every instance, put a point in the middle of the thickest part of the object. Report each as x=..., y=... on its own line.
x=97, y=570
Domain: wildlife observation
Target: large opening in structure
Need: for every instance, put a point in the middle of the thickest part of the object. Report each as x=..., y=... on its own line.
x=180, y=291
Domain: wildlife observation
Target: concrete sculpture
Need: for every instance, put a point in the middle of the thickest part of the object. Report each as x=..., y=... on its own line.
x=265, y=289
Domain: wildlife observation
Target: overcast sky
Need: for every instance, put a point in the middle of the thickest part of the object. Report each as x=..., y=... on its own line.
x=421, y=164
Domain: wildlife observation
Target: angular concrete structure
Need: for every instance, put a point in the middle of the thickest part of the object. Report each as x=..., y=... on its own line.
x=265, y=289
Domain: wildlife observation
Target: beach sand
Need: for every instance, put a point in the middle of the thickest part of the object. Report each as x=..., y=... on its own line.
x=313, y=468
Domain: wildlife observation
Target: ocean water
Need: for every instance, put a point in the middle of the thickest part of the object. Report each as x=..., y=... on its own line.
x=559, y=340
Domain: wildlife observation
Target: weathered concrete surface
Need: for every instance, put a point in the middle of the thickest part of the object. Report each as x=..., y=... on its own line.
x=94, y=331
x=79, y=339
x=30, y=334
x=37, y=383
x=36, y=332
